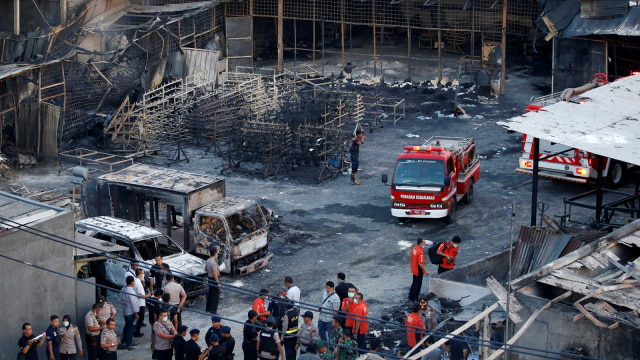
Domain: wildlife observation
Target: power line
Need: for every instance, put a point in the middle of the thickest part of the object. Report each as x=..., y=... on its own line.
x=388, y=324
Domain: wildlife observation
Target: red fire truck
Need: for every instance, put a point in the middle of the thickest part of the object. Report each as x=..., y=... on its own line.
x=561, y=162
x=431, y=178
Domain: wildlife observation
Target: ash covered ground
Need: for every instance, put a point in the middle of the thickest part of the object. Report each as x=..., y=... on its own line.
x=332, y=226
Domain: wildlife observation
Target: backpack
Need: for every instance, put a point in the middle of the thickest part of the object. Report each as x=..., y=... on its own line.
x=433, y=253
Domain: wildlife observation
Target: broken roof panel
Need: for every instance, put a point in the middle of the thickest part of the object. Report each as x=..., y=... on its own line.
x=602, y=271
x=606, y=124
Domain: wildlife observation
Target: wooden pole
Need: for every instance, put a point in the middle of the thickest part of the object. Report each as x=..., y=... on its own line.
x=342, y=30
x=280, y=44
x=314, y=36
x=63, y=12
x=503, y=66
x=16, y=17
x=485, y=348
x=409, y=50
x=439, y=41
x=373, y=22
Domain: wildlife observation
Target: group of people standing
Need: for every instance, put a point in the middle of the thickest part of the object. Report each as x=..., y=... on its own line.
x=277, y=331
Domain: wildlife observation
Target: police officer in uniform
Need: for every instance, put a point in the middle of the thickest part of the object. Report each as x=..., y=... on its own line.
x=290, y=328
x=250, y=336
x=215, y=350
x=107, y=310
x=70, y=339
x=165, y=332
x=269, y=346
x=109, y=341
x=92, y=336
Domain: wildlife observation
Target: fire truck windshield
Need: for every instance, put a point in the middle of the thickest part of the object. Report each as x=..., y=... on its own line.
x=419, y=172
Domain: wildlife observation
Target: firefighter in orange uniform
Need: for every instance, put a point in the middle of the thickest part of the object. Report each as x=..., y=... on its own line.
x=417, y=269
x=258, y=306
x=448, y=250
x=413, y=321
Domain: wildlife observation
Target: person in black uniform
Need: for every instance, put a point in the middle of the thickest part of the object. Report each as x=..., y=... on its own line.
x=157, y=274
x=269, y=345
x=179, y=342
x=277, y=308
x=191, y=348
x=216, y=327
x=214, y=350
x=250, y=337
x=354, y=151
x=290, y=329
x=228, y=343
x=28, y=344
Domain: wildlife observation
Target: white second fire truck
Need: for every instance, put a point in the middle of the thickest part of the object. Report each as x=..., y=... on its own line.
x=562, y=162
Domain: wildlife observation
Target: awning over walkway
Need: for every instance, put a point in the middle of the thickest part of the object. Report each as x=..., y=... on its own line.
x=607, y=123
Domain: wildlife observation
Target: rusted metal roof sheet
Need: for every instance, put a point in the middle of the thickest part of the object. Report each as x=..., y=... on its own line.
x=606, y=124
x=152, y=177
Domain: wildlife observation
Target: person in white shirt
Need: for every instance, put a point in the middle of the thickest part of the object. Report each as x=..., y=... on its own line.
x=130, y=311
x=293, y=292
x=138, y=287
x=131, y=271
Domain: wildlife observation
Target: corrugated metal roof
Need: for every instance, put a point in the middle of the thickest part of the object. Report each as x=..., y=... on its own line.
x=560, y=17
x=628, y=25
x=603, y=9
x=607, y=124
x=24, y=211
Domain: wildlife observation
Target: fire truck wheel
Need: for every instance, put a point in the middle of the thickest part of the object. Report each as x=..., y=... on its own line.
x=468, y=198
x=615, y=175
x=451, y=216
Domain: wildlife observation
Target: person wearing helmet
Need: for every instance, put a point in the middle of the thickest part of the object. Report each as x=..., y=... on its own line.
x=269, y=343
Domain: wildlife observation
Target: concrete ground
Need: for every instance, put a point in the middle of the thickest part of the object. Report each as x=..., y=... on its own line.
x=335, y=227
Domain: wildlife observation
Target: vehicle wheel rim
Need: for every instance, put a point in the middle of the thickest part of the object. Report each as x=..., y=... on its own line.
x=616, y=173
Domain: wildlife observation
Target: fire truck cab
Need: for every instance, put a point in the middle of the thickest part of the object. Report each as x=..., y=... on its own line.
x=430, y=179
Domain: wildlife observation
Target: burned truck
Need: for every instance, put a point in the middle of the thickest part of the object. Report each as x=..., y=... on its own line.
x=239, y=228
x=138, y=193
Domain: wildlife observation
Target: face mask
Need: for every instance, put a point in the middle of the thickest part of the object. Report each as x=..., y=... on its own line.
x=164, y=319
x=352, y=294
x=65, y=323
x=355, y=301
x=455, y=245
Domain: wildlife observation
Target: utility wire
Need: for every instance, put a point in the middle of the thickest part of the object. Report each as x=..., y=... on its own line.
x=388, y=324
